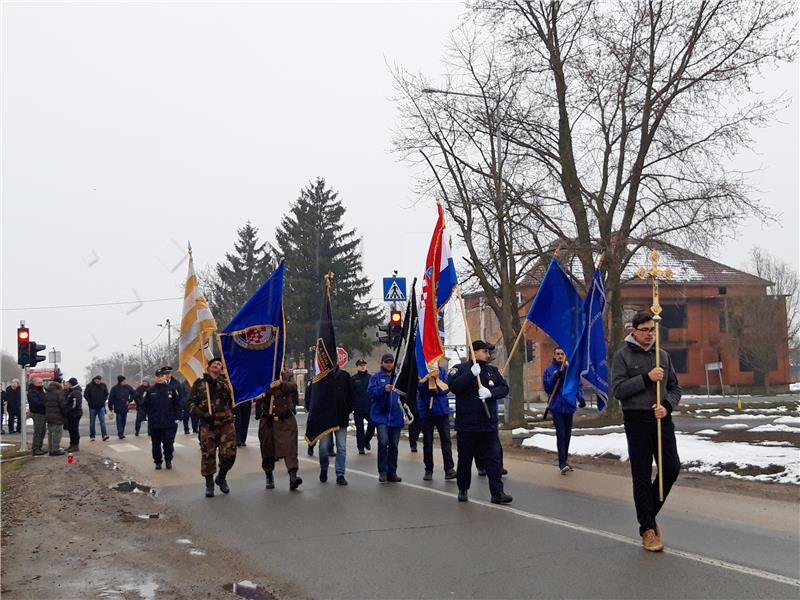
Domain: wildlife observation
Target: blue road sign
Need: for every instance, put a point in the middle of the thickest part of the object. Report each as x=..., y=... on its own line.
x=394, y=289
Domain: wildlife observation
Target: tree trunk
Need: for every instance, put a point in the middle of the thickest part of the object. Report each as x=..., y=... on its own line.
x=516, y=372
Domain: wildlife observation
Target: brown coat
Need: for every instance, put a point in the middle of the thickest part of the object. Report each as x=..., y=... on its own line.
x=278, y=427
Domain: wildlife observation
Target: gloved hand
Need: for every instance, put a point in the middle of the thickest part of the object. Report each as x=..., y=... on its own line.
x=484, y=393
x=476, y=369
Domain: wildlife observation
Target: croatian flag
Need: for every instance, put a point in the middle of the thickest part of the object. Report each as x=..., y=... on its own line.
x=438, y=284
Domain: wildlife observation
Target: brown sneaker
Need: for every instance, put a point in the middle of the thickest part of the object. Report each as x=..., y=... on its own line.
x=651, y=542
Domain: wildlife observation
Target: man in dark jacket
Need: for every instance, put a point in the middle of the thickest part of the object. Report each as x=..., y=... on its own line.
x=141, y=415
x=343, y=394
x=96, y=393
x=478, y=387
x=55, y=416
x=163, y=407
x=13, y=395
x=120, y=396
x=634, y=377
x=387, y=415
x=361, y=406
x=37, y=405
x=433, y=411
x=74, y=404
x=560, y=406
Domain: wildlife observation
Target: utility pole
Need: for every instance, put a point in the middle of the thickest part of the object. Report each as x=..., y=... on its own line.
x=23, y=410
x=141, y=360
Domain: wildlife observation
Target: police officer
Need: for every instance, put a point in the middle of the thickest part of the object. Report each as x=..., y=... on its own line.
x=476, y=420
x=212, y=401
x=162, y=404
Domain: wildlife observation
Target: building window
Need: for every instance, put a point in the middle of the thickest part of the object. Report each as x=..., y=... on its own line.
x=680, y=359
x=673, y=316
x=722, y=291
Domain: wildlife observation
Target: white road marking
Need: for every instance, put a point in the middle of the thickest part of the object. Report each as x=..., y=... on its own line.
x=124, y=447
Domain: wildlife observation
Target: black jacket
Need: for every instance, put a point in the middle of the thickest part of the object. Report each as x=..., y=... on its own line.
x=162, y=405
x=631, y=385
x=119, y=396
x=37, y=400
x=344, y=392
x=74, y=402
x=470, y=411
x=13, y=399
x=361, y=399
x=96, y=394
x=55, y=404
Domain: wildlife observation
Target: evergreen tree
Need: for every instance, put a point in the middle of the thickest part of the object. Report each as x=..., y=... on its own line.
x=314, y=241
x=239, y=276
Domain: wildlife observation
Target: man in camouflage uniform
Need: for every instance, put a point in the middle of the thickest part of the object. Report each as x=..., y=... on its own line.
x=217, y=431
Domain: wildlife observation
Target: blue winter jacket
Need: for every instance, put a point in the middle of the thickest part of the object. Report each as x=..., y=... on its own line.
x=559, y=404
x=441, y=406
x=162, y=404
x=385, y=408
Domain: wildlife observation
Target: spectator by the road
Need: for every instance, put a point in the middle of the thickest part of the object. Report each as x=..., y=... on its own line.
x=277, y=430
x=187, y=416
x=96, y=394
x=163, y=407
x=74, y=403
x=119, y=400
x=361, y=406
x=561, y=407
x=634, y=378
x=343, y=397
x=37, y=405
x=13, y=396
x=55, y=416
x=2, y=410
x=433, y=411
x=141, y=414
x=478, y=387
x=211, y=401
x=387, y=415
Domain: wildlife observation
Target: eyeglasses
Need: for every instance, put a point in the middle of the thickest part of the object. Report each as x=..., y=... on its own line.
x=646, y=329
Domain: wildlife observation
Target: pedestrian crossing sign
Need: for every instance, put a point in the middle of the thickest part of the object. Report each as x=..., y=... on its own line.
x=394, y=289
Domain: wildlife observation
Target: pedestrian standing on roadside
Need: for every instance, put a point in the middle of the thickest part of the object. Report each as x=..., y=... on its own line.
x=388, y=416
x=2, y=410
x=634, y=377
x=74, y=405
x=37, y=405
x=55, y=416
x=163, y=407
x=433, y=411
x=141, y=414
x=361, y=406
x=96, y=393
x=277, y=429
x=343, y=394
x=13, y=396
x=562, y=408
x=119, y=398
x=211, y=400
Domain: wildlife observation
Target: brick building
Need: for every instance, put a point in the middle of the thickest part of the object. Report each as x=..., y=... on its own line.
x=713, y=316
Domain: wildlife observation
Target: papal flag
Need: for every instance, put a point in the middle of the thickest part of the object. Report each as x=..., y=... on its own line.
x=197, y=326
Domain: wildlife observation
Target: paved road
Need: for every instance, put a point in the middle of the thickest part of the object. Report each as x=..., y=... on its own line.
x=562, y=537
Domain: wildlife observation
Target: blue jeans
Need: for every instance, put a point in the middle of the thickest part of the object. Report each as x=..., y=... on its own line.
x=97, y=412
x=388, y=439
x=341, y=451
x=563, y=425
x=122, y=419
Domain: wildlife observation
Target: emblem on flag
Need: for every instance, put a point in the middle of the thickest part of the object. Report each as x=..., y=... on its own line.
x=258, y=337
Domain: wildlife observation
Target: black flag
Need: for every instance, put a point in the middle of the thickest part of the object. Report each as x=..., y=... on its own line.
x=407, y=375
x=322, y=418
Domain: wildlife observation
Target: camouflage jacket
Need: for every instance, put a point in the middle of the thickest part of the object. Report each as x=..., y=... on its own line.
x=220, y=393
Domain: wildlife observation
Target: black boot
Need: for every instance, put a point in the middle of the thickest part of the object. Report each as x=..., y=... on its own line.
x=223, y=485
x=209, y=486
x=270, y=481
x=294, y=480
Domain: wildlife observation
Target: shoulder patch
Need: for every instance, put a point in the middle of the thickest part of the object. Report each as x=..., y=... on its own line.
x=453, y=371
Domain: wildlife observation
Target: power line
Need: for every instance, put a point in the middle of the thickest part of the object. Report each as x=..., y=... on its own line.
x=94, y=305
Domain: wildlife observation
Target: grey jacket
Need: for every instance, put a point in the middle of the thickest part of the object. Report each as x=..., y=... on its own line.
x=630, y=383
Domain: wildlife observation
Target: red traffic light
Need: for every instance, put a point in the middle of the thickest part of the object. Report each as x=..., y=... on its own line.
x=23, y=335
x=396, y=317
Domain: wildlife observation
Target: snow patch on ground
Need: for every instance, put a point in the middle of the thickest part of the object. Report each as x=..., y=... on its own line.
x=707, y=432
x=735, y=426
x=788, y=420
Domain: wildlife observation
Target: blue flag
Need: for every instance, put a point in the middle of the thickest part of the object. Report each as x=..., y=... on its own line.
x=253, y=342
x=558, y=308
x=590, y=361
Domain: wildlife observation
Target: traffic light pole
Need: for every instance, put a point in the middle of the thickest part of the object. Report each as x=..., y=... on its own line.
x=23, y=410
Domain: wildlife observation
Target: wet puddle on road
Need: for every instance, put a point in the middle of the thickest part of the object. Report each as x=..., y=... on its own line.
x=248, y=589
x=134, y=487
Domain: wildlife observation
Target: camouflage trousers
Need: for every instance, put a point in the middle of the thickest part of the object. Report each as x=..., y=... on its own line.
x=216, y=437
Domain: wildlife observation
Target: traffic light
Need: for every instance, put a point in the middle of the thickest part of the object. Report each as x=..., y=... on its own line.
x=23, y=346
x=34, y=350
x=385, y=338
x=395, y=328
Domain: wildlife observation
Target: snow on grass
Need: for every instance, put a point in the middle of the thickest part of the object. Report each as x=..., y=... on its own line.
x=740, y=416
x=735, y=426
x=794, y=387
x=699, y=454
x=778, y=428
x=788, y=420
x=707, y=432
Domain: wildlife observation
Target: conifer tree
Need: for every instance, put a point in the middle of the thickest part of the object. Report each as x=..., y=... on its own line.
x=313, y=240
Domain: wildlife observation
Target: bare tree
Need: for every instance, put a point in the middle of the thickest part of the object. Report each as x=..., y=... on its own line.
x=9, y=369
x=785, y=283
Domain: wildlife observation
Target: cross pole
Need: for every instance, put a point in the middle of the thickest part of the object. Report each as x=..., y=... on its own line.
x=654, y=274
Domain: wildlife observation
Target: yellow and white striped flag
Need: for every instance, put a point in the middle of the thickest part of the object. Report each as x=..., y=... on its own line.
x=197, y=325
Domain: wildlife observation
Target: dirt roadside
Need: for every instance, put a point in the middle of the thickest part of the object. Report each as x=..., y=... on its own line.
x=66, y=534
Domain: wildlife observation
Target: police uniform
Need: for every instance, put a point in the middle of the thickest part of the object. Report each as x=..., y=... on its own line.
x=477, y=436
x=162, y=405
x=217, y=431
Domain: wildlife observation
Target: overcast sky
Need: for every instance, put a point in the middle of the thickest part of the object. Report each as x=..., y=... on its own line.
x=128, y=129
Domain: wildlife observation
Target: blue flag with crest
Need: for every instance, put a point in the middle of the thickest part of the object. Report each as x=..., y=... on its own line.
x=253, y=342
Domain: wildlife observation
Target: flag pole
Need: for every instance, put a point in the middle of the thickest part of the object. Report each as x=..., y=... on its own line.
x=522, y=329
x=654, y=273
x=469, y=343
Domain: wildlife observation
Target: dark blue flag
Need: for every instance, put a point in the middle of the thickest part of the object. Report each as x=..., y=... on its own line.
x=558, y=308
x=590, y=360
x=322, y=418
x=253, y=342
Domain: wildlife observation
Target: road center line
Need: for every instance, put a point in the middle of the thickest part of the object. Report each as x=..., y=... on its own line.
x=591, y=530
